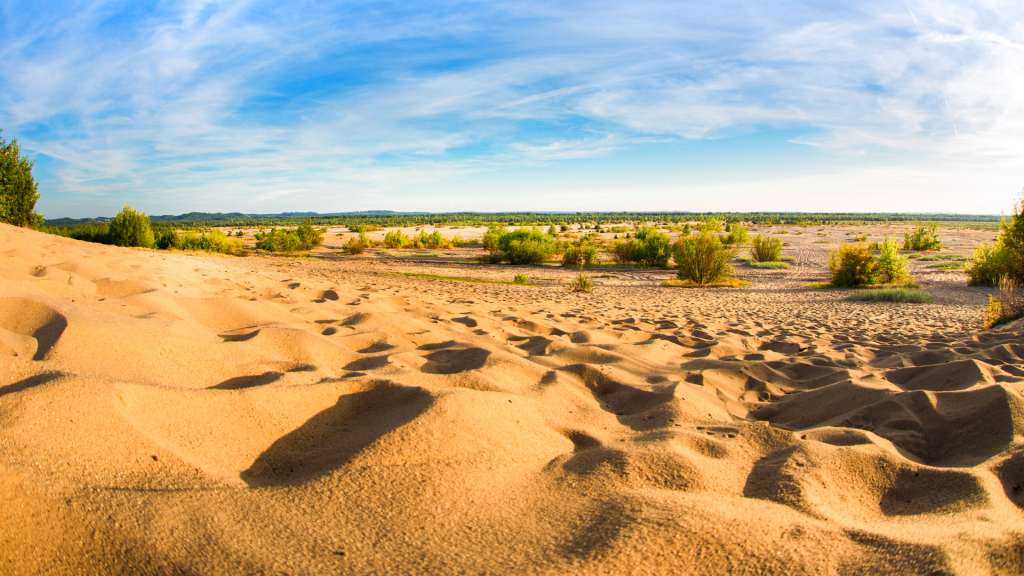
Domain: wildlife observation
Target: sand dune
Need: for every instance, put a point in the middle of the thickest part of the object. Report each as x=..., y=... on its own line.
x=166, y=413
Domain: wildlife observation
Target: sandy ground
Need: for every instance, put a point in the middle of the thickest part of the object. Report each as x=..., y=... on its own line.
x=182, y=414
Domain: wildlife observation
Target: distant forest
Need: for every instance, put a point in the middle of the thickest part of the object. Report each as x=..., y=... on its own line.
x=384, y=218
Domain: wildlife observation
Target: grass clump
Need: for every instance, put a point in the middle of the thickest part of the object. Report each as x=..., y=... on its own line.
x=766, y=249
x=891, y=295
x=923, y=237
x=852, y=265
x=703, y=259
x=769, y=265
x=520, y=280
x=581, y=284
x=1007, y=306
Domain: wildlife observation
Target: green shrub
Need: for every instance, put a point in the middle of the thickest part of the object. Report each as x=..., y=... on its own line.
x=892, y=266
x=354, y=246
x=396, y=239
x=131, y=228
x=18, y=189
x=653, y=248
x=520, y=279
x=169, y=240
x=712, y=225
x=990, y=263
x=217, y=241
x=737, y=235
x=891, y=295
x=580, y=253
x=924, y=237
x=703, y=259
x=764, y=248
x=622, y=251
x=852, y=265
x=522, y=246
x=309, y=237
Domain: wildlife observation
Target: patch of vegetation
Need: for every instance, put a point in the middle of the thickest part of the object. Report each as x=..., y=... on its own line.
x=764, y=248
x=891, y=295
x=942, y=257
x=703, y=259
x=520, y=279
x=822, y=242
x=769, y=265
x=924, y=237
x=411, y=254
x=725, y=283
x=457, y=279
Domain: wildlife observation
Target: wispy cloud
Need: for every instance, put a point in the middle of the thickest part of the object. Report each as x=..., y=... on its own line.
x=219, y=105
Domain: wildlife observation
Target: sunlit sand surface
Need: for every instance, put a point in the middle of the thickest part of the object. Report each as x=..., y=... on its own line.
x=174, y=413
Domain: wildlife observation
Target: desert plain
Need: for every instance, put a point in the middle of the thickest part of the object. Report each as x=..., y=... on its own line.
x=173, y=413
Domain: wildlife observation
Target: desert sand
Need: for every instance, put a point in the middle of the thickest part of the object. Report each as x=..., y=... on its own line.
x=169, y=413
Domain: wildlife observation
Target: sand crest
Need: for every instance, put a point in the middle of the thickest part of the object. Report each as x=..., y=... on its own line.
x=168, y=413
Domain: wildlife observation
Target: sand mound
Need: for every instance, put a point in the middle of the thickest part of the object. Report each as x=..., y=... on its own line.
x=167, y=413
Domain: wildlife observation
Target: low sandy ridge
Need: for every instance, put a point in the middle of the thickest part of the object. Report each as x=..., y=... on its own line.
x=173, y=414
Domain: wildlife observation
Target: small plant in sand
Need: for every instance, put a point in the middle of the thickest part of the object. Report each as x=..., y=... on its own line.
x=520, y=279
x=892, y=267
x=852, y=265
x=1007, y=306
x=703, y=259
x=923, y=237
x=764, y=248
x=581, y=284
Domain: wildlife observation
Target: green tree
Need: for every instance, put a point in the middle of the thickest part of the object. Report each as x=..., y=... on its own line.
x=18, y=189
x=131, y=228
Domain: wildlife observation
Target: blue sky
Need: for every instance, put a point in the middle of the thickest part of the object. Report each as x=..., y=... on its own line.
x=266, y=107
